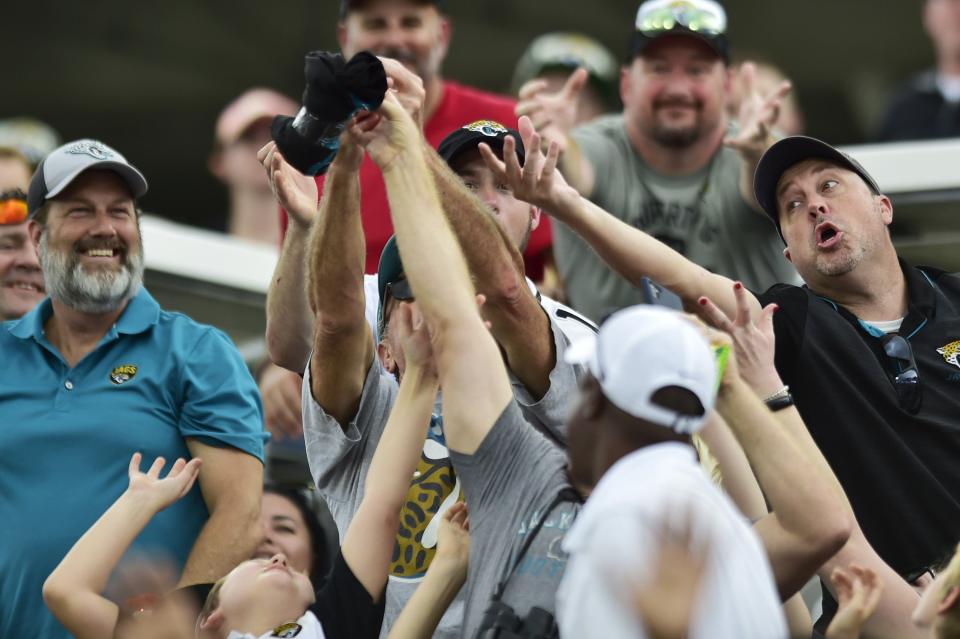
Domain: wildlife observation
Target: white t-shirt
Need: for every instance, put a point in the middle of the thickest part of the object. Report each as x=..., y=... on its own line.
x=613, y=548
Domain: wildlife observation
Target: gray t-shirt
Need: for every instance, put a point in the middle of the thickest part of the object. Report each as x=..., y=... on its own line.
x=510, y=482
x=340, y=457
x=703, y=216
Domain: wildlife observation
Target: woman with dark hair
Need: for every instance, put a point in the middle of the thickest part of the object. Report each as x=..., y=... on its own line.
x=291, y=526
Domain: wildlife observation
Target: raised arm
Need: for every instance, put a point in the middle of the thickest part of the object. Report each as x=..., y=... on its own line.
x=289, y=320
x=517, y=320
x=444, y=578
x=472, y=372
x=369, y=541
x=554, y=115
x=757, y=116
x=342, y=342
x=754, y=346
x=73, y=590
x=629, y=251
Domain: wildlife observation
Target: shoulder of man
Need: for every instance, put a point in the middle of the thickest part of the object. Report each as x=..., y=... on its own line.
x=573, y=325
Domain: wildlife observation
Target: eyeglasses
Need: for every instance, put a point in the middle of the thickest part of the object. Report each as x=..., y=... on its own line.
x=13, y=207
x=700, y=16
x=906, y=378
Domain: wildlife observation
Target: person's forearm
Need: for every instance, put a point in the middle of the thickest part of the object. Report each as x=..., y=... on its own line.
x=337, y=252
x=576, y=168
x=86, y=568
x=495, y=263
x=422, y=612
x=517, y=321
x=289, y=320
x=806, y=504
x=634, y=255
x=738, y=480
x=432, y=258
x=229, y=537
x=400, y=444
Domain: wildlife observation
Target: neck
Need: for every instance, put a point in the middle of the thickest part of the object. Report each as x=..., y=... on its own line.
x=434, y=94
x=74, y=333
x=875, y=291
x=948, y=63
x=247, y=215
x=667, y=160
x=256, y=620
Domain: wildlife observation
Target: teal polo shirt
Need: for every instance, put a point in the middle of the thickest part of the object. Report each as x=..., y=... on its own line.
x=67, y=434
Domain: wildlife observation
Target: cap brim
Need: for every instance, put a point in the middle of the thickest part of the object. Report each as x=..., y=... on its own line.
x=134, y=178
x=786, y=153
x=454, y=148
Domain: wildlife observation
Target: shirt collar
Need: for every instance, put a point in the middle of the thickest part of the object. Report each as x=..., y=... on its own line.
x=141, y=313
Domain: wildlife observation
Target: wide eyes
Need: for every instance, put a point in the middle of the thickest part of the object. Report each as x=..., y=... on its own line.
x=828, y=185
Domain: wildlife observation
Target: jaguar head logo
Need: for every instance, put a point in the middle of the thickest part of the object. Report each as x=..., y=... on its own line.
x=951, y=353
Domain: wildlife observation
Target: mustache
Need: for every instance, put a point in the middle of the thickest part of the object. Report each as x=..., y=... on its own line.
x=87, y=245
x=400, y=55
x=665, y=103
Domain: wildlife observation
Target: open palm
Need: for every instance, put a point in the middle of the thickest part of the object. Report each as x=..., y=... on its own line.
x=163, y=492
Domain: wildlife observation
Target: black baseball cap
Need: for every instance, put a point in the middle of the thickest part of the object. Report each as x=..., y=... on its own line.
x=790, y=151
x=705, y=20
x=347, y=5
x=470, y=136
x=64, y=164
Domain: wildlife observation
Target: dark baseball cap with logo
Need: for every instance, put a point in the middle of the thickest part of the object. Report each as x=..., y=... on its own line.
x=346, y=6
x=705, y=20
x=791, y=151
x=470, y=136
x=64, y=164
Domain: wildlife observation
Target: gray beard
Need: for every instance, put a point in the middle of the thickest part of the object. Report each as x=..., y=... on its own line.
x=102, y=292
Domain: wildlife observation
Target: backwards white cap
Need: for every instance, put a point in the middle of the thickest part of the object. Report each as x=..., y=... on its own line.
x=642, y=349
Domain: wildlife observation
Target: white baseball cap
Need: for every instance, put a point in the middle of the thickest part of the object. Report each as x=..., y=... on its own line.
x=62, y=166
x=643, y=349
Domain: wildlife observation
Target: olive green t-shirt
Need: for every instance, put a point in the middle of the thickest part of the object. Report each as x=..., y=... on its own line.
x=702, y=216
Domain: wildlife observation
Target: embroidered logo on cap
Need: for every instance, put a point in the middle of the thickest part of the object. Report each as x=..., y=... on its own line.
x=488, y=128
x=287, y=630
x=951, y=352
x=123, y=374
x=94, y=149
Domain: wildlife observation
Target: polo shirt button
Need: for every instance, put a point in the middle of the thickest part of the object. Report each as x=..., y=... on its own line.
x=68, y=385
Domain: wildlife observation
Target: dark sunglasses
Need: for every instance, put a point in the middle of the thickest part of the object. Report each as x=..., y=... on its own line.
x=906, y=378
x=660, y=16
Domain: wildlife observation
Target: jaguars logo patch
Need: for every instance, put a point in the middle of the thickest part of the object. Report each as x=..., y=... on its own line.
x=488, y=128
x=434, y=488
x=287, y=630
x=123, y=374
x=94, y=149
x=951, y=352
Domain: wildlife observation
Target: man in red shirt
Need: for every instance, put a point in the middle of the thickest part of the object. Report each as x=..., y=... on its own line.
x=417, y=33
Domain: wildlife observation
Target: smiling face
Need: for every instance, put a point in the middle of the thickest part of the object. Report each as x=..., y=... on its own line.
x=412, y=32
x=284, y=532
x=830, y=219
x=675, y=92
x=21, y=280
x=90, y=245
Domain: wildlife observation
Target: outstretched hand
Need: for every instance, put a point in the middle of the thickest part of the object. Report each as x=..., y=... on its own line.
x=753, y=342
x=162, y=492
x=388, y=132
x=296, y=192
x=552, y=114
x=858, y=593
x=414, y=336
x=538, y=181
x=757, y=116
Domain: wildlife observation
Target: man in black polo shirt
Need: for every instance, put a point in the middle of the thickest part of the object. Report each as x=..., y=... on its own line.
x=869, y=346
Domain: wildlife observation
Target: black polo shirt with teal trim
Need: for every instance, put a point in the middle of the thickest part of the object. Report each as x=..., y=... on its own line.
x=901, y=470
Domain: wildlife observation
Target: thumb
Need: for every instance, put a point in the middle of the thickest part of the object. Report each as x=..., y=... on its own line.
x=575, y=83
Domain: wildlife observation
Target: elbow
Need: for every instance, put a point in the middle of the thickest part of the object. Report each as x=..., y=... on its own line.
x=54, y=593
x=832, y=533
x=506, y=292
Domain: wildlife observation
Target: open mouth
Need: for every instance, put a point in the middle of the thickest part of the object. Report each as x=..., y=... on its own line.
x=827, y=235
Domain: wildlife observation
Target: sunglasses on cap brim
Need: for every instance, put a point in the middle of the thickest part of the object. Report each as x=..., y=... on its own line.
x=13, y=208
x=399, y=290
x=662, y=16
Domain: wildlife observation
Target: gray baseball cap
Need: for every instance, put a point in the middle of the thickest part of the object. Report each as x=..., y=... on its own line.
x=62, y=166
